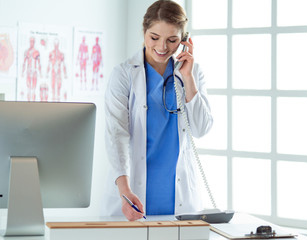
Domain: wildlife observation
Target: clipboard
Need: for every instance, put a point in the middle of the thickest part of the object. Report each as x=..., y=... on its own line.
x=249, y=231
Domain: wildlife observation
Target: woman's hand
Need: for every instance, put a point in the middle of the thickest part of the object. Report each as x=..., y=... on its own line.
x=124, y=189
x=130, y=213
x=187, y=58
x=186, y=70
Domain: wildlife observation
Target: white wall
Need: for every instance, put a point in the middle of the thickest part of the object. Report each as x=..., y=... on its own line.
x=136, y=11
x=111, y=18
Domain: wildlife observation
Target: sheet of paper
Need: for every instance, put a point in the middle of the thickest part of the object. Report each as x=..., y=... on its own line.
x=239, y=231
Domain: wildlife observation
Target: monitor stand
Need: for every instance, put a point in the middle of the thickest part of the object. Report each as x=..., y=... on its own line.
x=25, y=215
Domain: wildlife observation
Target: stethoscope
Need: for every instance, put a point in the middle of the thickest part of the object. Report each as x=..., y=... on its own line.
x=174, y=111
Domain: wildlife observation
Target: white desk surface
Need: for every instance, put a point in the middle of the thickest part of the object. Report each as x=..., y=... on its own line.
x=239, y=218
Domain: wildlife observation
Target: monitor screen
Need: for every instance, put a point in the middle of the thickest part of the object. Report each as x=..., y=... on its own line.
x=46, y=150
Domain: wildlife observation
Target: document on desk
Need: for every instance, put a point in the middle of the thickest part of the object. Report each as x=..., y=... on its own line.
x=247, y=231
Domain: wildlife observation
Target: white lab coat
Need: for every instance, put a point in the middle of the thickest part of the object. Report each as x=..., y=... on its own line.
x=125, y=105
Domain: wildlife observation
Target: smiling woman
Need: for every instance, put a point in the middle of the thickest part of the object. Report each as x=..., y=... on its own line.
x=164, y=26
x=161, y=42
x=148, y=150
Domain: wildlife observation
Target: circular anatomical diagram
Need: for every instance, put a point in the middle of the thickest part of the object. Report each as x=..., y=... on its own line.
x=6, y=53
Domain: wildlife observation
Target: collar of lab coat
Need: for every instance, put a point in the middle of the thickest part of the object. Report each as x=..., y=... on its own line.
x=137, y=62
x=138, y=77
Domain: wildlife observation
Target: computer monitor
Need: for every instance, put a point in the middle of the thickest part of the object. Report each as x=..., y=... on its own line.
x=46, y=158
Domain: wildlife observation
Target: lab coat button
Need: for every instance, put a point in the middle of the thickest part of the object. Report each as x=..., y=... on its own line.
x=183, y=130
x=178, y=179
x=180, y=205
x=145, y=106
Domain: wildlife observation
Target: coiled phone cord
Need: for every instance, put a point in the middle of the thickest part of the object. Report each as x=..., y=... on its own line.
x=185, y=117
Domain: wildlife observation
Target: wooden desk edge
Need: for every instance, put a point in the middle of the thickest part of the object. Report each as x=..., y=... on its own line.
x=126, y=224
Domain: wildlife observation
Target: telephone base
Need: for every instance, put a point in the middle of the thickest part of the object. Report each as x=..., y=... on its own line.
x=209, y=216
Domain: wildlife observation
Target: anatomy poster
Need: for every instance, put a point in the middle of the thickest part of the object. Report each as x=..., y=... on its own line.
x=88, y=62
x=44, y=63
x=8, y=63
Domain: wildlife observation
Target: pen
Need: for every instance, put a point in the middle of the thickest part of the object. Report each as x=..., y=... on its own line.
x=132, y=205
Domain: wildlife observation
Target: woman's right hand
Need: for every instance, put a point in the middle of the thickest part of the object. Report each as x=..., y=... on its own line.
x=124, y=189
x=130, y=213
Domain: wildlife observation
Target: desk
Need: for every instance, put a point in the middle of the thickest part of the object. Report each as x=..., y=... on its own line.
x=238, y=218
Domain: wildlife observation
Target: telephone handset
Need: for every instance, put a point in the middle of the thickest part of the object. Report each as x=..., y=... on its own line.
x=209, y=215
x=185, y=38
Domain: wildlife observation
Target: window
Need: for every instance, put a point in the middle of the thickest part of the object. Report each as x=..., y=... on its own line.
x=254, y=57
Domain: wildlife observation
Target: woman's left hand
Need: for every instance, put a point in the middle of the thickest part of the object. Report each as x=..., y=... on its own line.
x=186, y=70
x=187, y=58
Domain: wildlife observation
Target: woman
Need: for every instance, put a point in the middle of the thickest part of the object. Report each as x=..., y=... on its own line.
x=149, y=150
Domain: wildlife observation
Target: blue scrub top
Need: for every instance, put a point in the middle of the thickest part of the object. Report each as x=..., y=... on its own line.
x=162, y=142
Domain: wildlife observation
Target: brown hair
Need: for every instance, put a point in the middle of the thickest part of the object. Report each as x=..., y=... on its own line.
x=167, y=11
